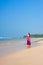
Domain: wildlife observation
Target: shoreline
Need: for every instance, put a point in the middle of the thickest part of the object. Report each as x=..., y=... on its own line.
x=14, y=46
x=19, y=54
x=5, y=43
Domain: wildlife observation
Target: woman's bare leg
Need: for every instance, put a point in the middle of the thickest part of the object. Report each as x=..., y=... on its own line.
x=29, y=46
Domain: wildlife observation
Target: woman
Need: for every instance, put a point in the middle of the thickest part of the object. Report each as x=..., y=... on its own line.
x=28, y=40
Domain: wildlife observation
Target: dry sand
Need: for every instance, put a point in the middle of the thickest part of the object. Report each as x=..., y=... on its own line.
x=29, y=56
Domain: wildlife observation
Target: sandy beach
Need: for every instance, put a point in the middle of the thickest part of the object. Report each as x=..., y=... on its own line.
x=26, y=56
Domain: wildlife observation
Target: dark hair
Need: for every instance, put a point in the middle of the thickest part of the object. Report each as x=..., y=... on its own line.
x=29, y=34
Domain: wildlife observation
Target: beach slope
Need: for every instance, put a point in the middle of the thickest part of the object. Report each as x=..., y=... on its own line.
x=32, y=56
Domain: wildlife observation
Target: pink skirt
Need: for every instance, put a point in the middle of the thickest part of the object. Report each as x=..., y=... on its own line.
x=28, y=43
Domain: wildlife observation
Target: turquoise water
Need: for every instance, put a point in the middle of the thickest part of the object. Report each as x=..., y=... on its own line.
x=11, y=39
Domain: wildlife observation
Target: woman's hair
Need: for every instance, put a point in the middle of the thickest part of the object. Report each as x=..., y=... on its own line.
x=29, y=34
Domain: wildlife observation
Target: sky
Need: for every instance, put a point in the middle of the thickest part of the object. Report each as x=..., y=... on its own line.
x=18, y=17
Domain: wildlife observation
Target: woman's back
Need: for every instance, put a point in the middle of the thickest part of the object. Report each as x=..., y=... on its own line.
x=28, y=38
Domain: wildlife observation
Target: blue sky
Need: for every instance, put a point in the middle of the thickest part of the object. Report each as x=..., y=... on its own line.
x=18, y=17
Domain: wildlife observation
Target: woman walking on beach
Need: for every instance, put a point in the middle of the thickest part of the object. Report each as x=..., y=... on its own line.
x=28, y=40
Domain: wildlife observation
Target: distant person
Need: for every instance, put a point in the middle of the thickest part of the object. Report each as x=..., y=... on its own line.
x=28, y=40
